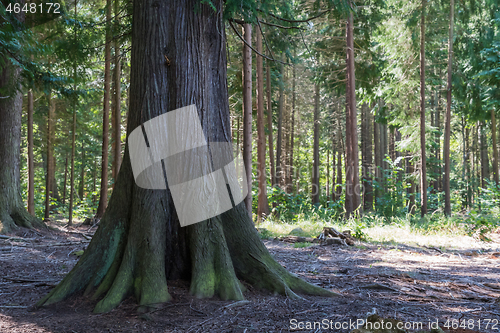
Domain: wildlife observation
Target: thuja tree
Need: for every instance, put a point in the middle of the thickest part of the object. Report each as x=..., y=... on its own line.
x=178, y=59
x=12, y=210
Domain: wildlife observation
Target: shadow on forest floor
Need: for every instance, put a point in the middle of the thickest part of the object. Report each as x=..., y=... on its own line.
x=409, y=283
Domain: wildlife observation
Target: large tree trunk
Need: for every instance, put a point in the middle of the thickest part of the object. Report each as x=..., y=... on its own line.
x=247, y=113
x=447, y=122
x=103, y=200
x=263, y=205
x=139, y=243
x=352, y=201
x=315, y=171
x=12, y=209
x=423, y=158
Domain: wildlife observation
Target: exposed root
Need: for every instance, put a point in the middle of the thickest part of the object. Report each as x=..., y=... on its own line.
x=212, y=268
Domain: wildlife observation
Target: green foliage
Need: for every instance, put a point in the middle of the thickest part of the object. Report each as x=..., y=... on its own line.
x=391, y=190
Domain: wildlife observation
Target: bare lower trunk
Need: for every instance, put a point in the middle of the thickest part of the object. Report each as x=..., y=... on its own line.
x=279, y=140
x=31, y=163
x=263, y=205
x=315, y=173
x=270, y=125
x=13, y=211
x=117, y=119
x=423, y=158
x=139, y=244
x=366, y=136
x=103, y=200
x=494, y=143
x=247, y=114
x=50, y=152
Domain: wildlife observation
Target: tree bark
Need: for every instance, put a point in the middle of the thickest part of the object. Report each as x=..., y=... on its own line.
x=447, y=122
x=279, y=140
x=270, y=125
x=103, y=200
x=13, y=211
x=72, y=172
x=423, y=161
x=315, y=172
x=352, y=201
x=247, y=113
x=292, y=134
x=139, y=243
x=485, y=162
x=81, y=186
x=494, y=143
x=50, y=152
x=116, y=111
x=31, y=163
x=263, y=205
x=65, y=179
x=366, y=137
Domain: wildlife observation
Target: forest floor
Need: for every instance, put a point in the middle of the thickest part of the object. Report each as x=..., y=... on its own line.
x=458, y=285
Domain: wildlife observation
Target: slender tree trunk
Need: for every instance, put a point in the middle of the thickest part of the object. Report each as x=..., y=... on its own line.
x=366, y=136
x=103, y=200
x=292, y=134
x=378, y=159
x=139, y=244
x=485, y=162
x=116, y=111
x=263, y=205
x=352, y=201
x=447, y=121
x=31, y=163
x=81, y=186
x=437, y=137
x=423, y=167
x=50, y=152
x=72, y=172
x=495, y=151
x=270, y=125
x=279, y=140
x=315, y=171
x=247, y=113
x=65, y=179
x=411, y=189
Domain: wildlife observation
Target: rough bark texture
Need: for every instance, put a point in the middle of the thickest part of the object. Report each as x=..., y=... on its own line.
x=247, y=113
x=103, y=200
x=447, y=121
x=12, y=209
x=494, y=144
x=263, y=205
x=423, y=158
x=315, y=172
x=279, y=140
x=485, y=161
x=50, y=152
x=72, y=171
x=270, y=125
x=116, y=111
x=366, y=136
x=139, y=243
x=289, y=182
x=352, y=201
x=31, y=162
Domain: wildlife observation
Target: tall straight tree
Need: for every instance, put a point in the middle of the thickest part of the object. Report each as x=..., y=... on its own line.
x=423, y=168
x=103, y=199
x=272, y=167
x=279, y=140
x=366, y=137
x=494, y=146
x=116, y=111
x=447, y=121
x=139, y=243
x=247, y=112
x=262, y=205
x=31, y=163
x=13, y=212
x=315, y=172
x=352, y=196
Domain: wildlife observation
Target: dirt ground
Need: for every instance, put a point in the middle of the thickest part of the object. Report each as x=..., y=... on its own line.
x=416, y=285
